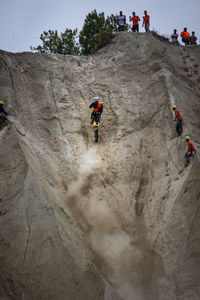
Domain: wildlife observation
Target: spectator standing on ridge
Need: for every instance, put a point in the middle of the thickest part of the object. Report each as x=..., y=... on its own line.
x=121, y=21
x=174, y=37
x=185, y=36
x=179, y=118
x=135, y=20
x=191, y=150
x=193, y=39
x=146, y=21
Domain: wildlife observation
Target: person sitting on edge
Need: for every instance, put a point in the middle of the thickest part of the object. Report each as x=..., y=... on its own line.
x=146, y=21
x=98, y=108
x=135, y=20
x=174, y=37
x=179, y=119
x=121, y=21
x=193, y=39
x=185, y=36
x=191, y=150
x=3, y=113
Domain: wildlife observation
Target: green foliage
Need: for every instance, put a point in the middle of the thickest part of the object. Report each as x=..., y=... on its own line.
x=127, y=27
x=97, y=31
x=63, y=44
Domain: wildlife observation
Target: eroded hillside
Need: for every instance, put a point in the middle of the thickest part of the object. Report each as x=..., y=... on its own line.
x=115, y=220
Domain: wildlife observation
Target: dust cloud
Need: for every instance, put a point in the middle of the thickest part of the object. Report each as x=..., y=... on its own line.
x=114, y=254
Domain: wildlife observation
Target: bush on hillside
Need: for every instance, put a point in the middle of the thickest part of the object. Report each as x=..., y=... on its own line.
x=97, y=31
x=65, y=43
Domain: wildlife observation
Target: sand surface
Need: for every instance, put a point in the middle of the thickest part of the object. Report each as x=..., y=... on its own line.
x=117, y=220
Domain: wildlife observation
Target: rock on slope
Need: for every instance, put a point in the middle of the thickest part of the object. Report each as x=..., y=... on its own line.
x=77, y=218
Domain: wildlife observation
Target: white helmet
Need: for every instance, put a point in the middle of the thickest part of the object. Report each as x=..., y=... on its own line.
x=96, y=98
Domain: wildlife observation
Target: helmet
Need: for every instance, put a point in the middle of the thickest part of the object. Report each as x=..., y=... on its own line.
x=173, y=106
x=187, y=138
x=96, y=98
x=1, y=102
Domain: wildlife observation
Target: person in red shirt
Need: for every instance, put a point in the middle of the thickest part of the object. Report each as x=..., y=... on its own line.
x=185, y=36
x=135, y=20
x=191, y=150
x=146, y=21
x=179, y=119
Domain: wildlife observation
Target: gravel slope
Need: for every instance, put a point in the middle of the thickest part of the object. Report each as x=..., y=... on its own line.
x=77, y=217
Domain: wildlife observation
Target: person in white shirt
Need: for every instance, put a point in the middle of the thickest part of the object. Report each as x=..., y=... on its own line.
x=174, y=37
x=121, y=21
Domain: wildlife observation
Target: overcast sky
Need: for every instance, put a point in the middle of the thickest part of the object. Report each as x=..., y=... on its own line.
x=22, y=21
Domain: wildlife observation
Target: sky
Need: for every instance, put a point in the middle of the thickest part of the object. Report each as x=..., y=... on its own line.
x=22, y=21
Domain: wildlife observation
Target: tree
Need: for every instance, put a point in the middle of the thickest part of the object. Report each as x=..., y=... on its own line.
x=63, y=44
x=97, y=31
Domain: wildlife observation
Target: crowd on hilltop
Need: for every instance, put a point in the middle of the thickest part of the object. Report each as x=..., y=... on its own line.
x=187, y=39
x=121, y=21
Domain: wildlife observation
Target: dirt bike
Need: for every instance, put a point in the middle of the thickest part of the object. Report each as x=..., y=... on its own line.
x=96, y=124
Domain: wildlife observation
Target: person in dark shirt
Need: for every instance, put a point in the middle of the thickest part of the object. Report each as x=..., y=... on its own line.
x=193, y=39
x=3, y=113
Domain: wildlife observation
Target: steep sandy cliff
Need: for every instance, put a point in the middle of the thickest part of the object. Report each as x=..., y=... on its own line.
x=115, y=220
